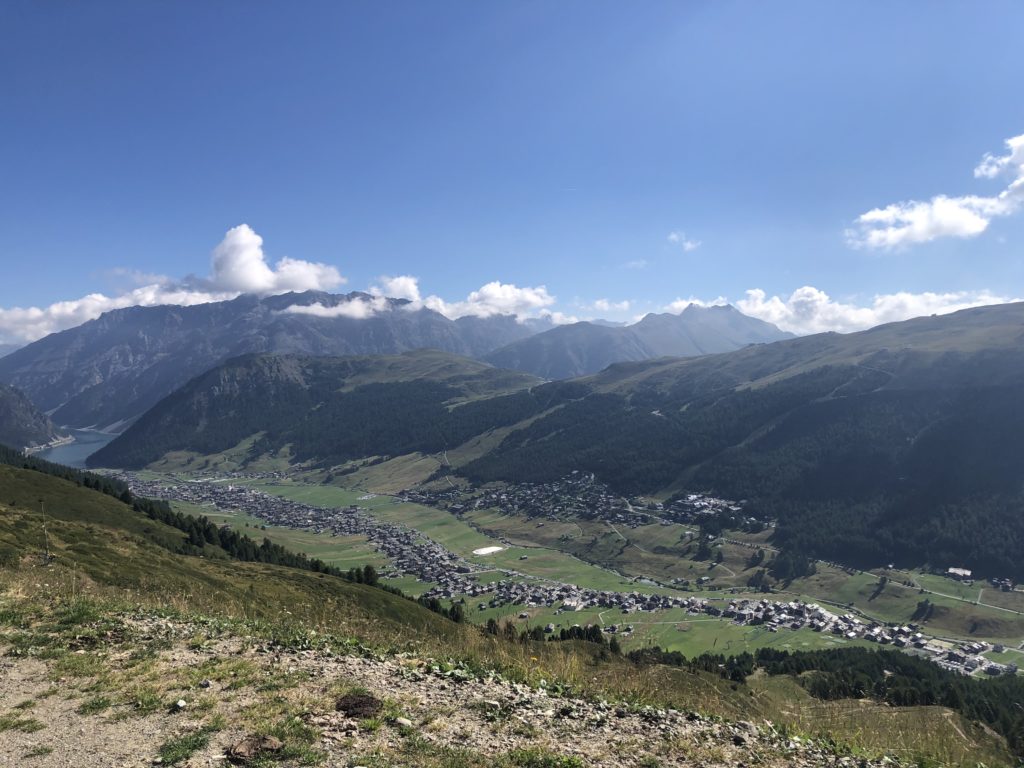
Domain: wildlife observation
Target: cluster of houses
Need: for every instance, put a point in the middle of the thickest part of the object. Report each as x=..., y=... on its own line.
x=969, y=659
x=693, y=508
x=567, y=598
x=412, y=553
x=967, y=577
x=1004, y=585
x=408, y=550
x=577, y=496
x=965, y=658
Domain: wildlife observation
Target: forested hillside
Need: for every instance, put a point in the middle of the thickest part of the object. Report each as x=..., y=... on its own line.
x=900, y=444
x=326, y=409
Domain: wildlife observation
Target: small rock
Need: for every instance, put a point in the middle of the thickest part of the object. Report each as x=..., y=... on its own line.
x=249, y=748
x=403, y=722
x=205, y=683
x=180, y=704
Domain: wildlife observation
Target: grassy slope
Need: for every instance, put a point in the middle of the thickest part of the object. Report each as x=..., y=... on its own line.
x=102, y=548
x=111, y=546
x=343, y=552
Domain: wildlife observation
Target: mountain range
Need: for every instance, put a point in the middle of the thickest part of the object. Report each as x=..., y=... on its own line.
x=904, y=443
x=583, y=348
x=109, y=371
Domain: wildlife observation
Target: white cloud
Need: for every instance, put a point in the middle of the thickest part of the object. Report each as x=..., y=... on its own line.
x=604, y=305
x=680, y=239
x=558, y=318
x=992, y=166
x=25, y=324
x=400, y=287
x=357, y=309
x=679, y=305
x=914, y=221
x=238, y=266
x=495, y=298
x=810, y=310
x=635, y=264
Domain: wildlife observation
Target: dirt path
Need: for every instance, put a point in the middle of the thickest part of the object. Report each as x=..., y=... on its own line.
x=626, y=539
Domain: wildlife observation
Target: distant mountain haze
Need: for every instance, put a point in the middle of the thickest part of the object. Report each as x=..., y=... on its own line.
x=584, y=348
x=109, y=371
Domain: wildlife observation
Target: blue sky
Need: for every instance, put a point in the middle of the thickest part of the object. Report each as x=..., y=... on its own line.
x=535, y=144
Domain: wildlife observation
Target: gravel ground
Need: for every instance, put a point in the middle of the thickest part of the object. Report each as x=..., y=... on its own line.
x=424, y=713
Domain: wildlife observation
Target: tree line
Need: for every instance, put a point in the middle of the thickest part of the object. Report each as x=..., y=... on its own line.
x=889, y=676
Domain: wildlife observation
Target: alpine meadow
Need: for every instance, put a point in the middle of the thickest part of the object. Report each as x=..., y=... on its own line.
x=450, y=385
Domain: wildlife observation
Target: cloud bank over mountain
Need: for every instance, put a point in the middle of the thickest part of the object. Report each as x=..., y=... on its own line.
x=810, y=310
x=494, y=298
x=238, y=265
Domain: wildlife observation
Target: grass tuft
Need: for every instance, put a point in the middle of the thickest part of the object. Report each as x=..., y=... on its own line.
x=94, y=705
x=181, y=748
x=14, y=722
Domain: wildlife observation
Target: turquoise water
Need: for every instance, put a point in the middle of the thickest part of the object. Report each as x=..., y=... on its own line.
x=74, y=454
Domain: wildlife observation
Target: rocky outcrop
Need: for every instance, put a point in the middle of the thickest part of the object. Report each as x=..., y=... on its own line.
x=22, y=425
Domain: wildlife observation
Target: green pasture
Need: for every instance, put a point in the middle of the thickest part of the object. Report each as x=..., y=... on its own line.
x=340, y=551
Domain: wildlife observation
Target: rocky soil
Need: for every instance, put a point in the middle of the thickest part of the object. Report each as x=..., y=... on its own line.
x=213, y=690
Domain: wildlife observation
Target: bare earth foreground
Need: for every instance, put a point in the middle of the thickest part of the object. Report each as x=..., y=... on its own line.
x=195, y=692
